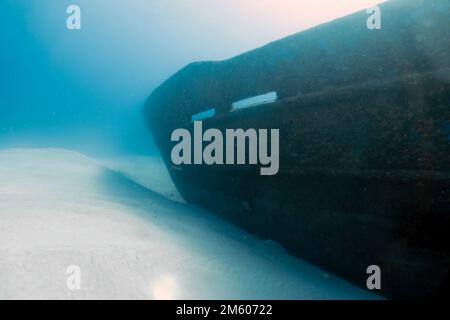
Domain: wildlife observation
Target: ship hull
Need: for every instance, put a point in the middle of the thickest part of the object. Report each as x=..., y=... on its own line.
x=364, y=173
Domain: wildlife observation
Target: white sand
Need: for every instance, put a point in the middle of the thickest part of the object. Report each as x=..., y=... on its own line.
x=59, y=208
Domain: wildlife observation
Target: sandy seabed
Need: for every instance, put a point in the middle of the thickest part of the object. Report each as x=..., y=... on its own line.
x=124, y=224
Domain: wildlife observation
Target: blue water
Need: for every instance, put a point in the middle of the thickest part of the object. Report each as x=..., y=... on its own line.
x=84, y=89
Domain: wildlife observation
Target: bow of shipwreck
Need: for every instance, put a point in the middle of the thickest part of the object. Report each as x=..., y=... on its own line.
x=364, y=119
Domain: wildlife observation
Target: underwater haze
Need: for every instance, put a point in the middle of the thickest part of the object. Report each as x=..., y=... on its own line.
x=81, y=182
x=84, y=89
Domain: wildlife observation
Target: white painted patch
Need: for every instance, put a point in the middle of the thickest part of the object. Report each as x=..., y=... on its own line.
x=255, y=101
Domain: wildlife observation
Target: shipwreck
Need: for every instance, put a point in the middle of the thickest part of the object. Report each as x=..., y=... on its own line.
x=364, y=128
